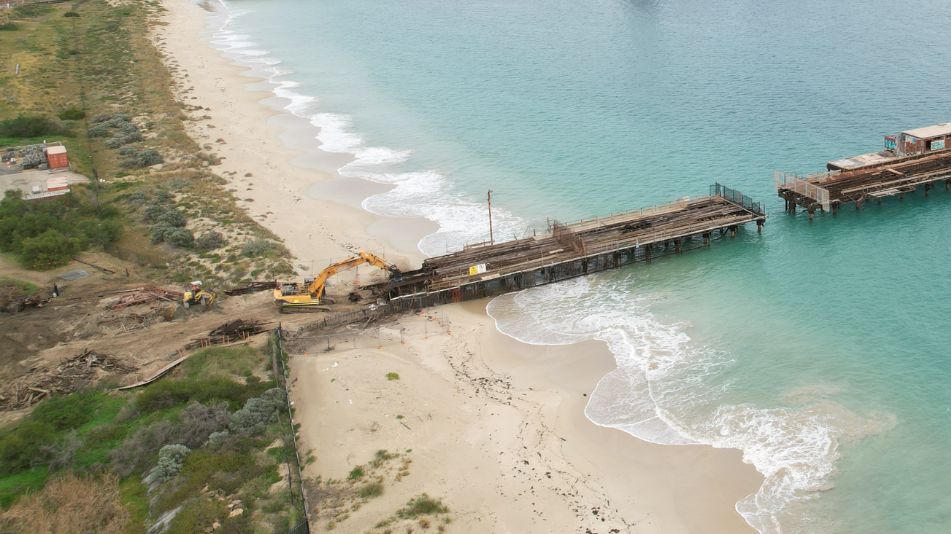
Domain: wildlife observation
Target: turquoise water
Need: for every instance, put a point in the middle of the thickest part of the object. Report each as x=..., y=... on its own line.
x=820, y=350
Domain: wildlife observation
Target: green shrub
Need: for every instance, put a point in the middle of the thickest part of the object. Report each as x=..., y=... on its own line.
x=137, y=451
x=179, y=237
x=257, y=413
x=356, y=473
x=30, y=126
x=209, y=241
x=199, y=421
x=392, y=376
x=97, y=130
x=421, y=505
x=71, y=14
x=137, y=159
x=373, y=489
x=8, y=26
x=68, y=412
x=100, y=232
x=197, y=516
x=172, y=217
x=121, y=139
x=49, y=249
x=259, y=248
x=72, y=113
x=171, y=458
x=219, y=470
x=22, y=446
x=167, y=393
x=32, y=441
x=153, y=211
x=47, y=234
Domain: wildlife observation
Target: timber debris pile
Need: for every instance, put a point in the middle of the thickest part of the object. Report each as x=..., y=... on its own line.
x=143, y=295
x=229, y=332
x=13, y=301
x=71, y=375
x=253, y=287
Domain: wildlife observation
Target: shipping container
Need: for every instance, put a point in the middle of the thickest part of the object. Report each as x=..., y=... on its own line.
x=56, y=157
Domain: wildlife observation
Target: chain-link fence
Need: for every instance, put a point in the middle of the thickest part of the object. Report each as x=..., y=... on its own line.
x=295, y=480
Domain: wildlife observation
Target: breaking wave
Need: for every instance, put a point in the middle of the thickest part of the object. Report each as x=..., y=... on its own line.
x=668, y=390
x=422, y=193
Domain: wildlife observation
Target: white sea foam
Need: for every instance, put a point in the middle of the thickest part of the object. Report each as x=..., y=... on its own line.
x=422, y=193
x=662, y=391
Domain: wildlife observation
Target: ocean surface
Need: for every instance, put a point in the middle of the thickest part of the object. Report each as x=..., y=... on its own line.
x=821, y=350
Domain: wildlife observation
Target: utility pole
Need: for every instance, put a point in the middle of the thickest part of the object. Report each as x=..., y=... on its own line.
x=491, y=240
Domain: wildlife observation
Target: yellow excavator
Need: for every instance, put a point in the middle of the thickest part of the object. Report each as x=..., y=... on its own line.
x=309, y=296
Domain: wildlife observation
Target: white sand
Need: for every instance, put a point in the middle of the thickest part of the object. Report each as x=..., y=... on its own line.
x=496, y=427
x=497, y=431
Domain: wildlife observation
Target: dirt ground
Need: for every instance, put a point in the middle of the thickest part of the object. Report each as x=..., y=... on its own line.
x=141, y=339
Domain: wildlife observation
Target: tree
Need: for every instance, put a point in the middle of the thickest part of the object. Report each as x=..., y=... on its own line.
x=47, y=250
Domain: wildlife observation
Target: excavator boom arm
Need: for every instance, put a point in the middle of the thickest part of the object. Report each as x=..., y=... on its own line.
x=317, y=287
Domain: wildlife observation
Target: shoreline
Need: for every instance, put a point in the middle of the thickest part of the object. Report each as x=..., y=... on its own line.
x=658, y=488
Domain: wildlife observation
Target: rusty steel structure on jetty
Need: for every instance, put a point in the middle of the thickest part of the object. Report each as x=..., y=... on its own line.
x=911, y=159
x=572, y=250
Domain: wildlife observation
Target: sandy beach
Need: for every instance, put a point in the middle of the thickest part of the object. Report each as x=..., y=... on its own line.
x=493, y=427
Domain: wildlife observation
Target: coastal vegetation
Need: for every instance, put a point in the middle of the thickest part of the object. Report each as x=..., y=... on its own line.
x=90, y=77
x=208, y=445
x=48, y=234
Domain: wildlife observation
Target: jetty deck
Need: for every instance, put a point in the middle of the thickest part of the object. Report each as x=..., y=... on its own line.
x=571, y=250
x=894, y=177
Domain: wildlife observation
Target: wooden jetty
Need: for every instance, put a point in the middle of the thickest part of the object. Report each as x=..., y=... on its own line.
x=911, y=159
x=571, y=250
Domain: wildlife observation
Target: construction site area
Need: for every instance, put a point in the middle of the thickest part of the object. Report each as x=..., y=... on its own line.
x=95, y=323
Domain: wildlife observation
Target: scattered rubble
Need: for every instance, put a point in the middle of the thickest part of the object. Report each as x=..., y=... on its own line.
x=253, y=287
x=69, y=376
x=143, y=295
x=12, y=301
x=229, y=332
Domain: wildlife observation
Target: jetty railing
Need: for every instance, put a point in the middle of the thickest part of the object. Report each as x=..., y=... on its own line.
x=804, y=187
x=737, y=197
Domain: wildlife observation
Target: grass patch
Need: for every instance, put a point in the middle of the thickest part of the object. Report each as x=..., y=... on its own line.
x=421, y=505
x=134, y=496
x=356, y=473
x=226, y=471
x=197, y=516
x=27, y=126
x=27, y=288
x=392, y=376
x=31, y=441
x=223, y=361
x=13, y=486
x=72, y=113
x=373, y=489
x=164, y=394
